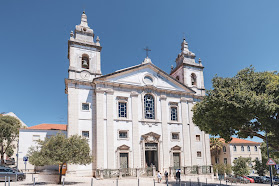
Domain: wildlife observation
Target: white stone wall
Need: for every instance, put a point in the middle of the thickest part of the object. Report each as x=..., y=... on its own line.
x=26, y=140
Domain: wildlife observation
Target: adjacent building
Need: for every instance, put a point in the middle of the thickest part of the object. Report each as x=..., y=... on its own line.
x=29, y=136
x=238, y=148
x=137, y=117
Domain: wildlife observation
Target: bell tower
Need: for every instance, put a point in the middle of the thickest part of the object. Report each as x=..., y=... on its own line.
x=187, y=71
x=83, y=53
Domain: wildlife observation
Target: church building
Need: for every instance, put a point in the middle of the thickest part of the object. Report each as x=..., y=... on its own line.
x=135, y=118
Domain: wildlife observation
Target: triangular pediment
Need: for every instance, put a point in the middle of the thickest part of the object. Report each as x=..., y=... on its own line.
x=145, y=75
x=123, y=147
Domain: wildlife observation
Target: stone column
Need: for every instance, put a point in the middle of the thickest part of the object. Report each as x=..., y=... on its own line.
x=135, y=130
x=185, y=133
x=100, y=129
x=165, y=133
x=110, y=130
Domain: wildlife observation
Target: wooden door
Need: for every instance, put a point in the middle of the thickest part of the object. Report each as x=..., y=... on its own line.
x=176, y=160
x=123, y=160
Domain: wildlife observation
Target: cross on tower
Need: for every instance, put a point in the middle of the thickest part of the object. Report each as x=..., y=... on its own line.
x=147, y=50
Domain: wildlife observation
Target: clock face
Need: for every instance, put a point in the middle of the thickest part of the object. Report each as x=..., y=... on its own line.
x=85, y=75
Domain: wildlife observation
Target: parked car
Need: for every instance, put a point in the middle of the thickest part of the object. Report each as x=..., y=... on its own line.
x=10, y=161
x=251, y=180
x=13, y=174
x=276, y=180
x=238, y=179
x=257, y=179
x=266, y=179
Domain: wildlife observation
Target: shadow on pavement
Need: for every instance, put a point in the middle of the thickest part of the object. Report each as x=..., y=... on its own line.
x=45, y=183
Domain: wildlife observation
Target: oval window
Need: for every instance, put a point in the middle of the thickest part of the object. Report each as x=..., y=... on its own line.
x=148, y=80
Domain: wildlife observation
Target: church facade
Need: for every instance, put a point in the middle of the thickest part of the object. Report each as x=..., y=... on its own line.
x=135, y=118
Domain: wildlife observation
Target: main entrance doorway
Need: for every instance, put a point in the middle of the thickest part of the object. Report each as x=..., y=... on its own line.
x=123, y=160
x=151, y=155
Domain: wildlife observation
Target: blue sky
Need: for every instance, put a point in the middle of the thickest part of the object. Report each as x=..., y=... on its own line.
x=227, y=35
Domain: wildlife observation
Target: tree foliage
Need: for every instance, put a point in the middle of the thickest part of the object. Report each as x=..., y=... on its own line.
x=8, y=134
x=274, y=154
x=240, y=167
x=59, y=150
x=245, y=105
x=260, y=167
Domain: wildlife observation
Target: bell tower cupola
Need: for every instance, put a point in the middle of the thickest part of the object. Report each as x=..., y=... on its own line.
x=83, y=53
x=187, y=71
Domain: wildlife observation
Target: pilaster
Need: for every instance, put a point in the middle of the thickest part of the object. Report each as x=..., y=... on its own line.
x=99, y=129
x=186, y=132
x=135, y=131
x=192, y=133
x=165, y=133
x=110, y=129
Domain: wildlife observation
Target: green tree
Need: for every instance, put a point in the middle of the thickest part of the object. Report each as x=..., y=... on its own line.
x=245, y=105
x=240, y=167
x=228, y=169
x=8, y=134
x=260, y=167
x=59, y=150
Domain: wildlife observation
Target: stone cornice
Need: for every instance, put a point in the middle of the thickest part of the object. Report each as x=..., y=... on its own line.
x=76, y=82
x=150, y=87
x=87, y=44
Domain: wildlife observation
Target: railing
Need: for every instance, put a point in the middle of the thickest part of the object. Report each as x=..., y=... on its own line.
x=150, y=171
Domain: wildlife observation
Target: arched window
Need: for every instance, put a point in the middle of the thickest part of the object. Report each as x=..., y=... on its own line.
x=242, y=148
x=149, y=109
x=193, y=79
x=85, y=62
x=234, y=148
x=256, y=148
x=224, y=149
x=248, y=148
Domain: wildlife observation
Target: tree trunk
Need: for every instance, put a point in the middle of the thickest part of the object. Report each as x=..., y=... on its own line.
x=2, y=154
x=60, y=173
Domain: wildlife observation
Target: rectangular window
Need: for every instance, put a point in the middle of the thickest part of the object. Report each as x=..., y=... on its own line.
x=199, y=154
x=225, y=161
x=198, y=138
x=174, y=113
x=216, y=160
x=85, y=134
x=123, y=134
x=85, y=106
x=175, y=136
x=122, y=109
x=36, y=137
x=256, y=148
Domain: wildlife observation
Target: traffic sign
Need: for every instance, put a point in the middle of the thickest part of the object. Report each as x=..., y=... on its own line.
x=270, y=162
x=25, y=158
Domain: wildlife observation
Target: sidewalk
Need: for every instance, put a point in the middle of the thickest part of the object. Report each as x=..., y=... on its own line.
x=143, y=181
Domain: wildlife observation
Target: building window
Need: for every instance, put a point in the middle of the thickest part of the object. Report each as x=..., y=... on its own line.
x=123, y=134
x=85, y=106
x=175, y=136
x=198, y=138
x=193, y=79
x=199, y=154
x=85, y=62
x=85, y=134
x=36, y=137
x=216, y=160
x=224, y=149
x=235, y=158
x=122, y=109
x=174, y=113
x=149, y=105
x=256, y=148
x=148, y=80
x=242, y=148
x=225, y=161
x=177, y=78
x=248, y=148
x=234, y=148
